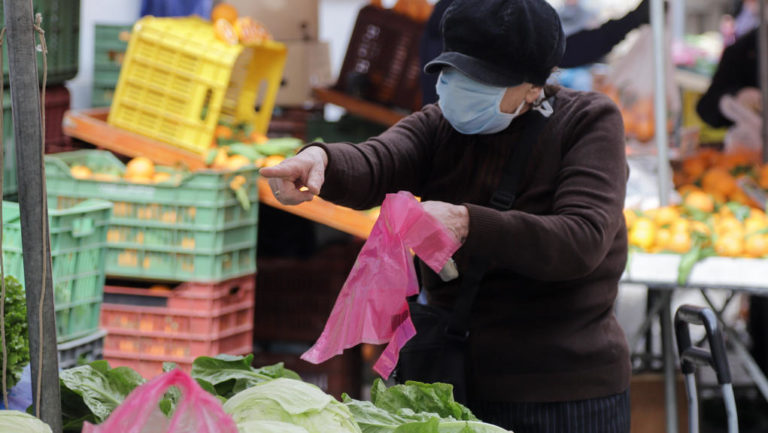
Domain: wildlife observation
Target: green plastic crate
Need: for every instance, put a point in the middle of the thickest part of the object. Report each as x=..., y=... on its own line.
x=191, y=228
x=102, y=96
x=10, y=184
x=78, y=236
x=61, y=23
x=109, y=45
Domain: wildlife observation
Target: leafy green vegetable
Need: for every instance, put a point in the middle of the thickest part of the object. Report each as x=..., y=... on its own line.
x=420, y=397
x=228, y=374
x=294, y=402
x=16, y=334
x=399, y=418
x=100, y=388
x=269, y=427
x=12, y=421
x=279, y=146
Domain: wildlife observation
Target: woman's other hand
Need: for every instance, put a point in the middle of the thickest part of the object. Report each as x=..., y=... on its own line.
x=298, y=179
x=454, y=217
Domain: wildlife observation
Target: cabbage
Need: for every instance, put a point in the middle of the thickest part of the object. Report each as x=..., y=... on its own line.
x=294, y=402
x=12, y=421
x=269, y=427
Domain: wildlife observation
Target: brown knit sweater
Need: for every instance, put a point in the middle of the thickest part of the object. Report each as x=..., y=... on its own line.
x=543, y=326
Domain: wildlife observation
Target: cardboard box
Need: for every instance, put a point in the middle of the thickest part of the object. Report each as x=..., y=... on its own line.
x=286, y=19
x=307, y=65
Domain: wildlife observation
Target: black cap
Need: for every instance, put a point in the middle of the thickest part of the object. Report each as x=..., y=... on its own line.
x=501, y=42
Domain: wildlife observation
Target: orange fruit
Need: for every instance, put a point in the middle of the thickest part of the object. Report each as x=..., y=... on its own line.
x=223, y=131
x=629, y=217
x=235, y=162
x=718, y=180
x=221, y=159
x=700, y=227
x=258, y=137
x=643, y=233
x=756, y=246
x=729, y=226
x=224, y=11
x=666, y=215
x=80, y=172
x=663, y=238
x=225, y=32
x=694, y=167
x=140, y=167
x=680, y=242
x=250, y=31
x=687, y=189
x=273, y=160
x=161, y=176
x=644, y=130
x=700, y=200
x=680, y=225
x=762, y=177
x=729, y=246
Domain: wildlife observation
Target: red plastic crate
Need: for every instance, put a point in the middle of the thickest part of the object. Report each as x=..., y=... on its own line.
x=296, y=296
x=147, y=327
x=57, y=102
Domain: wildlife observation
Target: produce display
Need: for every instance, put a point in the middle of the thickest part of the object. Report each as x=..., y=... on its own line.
x=233, y=29
x=238, y=145
x=275, y=399
x=716, y=217
x=16, y=335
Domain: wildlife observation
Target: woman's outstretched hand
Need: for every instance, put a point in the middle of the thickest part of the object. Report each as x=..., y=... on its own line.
x=298, y=179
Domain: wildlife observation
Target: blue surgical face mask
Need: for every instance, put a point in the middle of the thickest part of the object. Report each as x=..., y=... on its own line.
x=470, y=106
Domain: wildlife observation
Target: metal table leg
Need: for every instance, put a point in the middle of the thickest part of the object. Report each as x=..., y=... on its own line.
x=670, y=364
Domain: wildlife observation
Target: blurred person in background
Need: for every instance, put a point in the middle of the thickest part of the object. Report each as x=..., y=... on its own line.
x=545, y=351
x=583, y=47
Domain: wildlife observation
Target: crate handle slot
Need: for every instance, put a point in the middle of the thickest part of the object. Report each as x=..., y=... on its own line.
x=205, y=111
x=83, y=227
x=234, y=290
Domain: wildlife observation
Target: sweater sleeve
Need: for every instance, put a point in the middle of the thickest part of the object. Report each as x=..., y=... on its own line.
x=360, y=175
x=587, y=207
x=591, y=45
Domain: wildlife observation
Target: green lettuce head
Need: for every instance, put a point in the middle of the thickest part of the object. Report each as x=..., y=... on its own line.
x=12, y=421
x=294, y=402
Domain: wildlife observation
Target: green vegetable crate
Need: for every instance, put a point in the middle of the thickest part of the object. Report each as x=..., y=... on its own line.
x=77, y=234
x=61, y=23
x=10, y=184
x=109, y=47
x=189, y=228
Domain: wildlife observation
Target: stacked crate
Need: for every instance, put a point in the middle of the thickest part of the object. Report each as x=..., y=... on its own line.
x=180, y=257
x=295, y=298
x=61, y=23
x=110, y=44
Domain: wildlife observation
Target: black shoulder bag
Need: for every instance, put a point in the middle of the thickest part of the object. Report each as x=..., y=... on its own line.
x=437, y=353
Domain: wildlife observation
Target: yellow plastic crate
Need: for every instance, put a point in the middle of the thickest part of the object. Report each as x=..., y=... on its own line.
x=178, y=80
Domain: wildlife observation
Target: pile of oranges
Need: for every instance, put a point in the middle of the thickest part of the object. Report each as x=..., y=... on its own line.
x=231, y=28
x=715, y=213
x=418, y=10
x=138, y=170
x=732, y=231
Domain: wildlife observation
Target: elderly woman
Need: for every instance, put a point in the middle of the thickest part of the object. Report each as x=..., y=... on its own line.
x=545, y=350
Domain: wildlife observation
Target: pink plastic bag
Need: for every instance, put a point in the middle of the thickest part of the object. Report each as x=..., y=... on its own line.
x=196, y=412
x=371, y=307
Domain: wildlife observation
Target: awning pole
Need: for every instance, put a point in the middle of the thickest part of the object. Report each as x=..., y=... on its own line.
x=659, y=99
x=762, y=44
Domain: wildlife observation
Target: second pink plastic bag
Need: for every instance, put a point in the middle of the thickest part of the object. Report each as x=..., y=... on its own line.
x=372, y=307
x=196, y=412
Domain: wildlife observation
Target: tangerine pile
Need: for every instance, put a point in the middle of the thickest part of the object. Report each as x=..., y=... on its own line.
x=232, y=29
x=732, y=230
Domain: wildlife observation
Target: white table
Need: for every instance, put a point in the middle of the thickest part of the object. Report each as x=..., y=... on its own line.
x=659, y=272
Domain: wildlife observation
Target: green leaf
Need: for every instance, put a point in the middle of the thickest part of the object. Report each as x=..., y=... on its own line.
x=243, y=199
x=740, y=211
x=231, y=374
x=687, y=261
x=211, y=156
x=246, y=150
x=696, y=214
x=102, y=389
x=420, y=397
x=16, y=334
x=280, y=146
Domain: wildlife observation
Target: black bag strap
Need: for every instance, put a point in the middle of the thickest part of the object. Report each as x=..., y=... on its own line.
x=502, y=199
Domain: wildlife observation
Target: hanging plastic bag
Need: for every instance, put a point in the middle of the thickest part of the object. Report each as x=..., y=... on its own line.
x=372, y=307
x=196, y=412
x=632, y=78
x=745, y=134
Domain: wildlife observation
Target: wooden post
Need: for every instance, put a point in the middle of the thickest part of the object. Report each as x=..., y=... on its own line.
x=25, y=97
